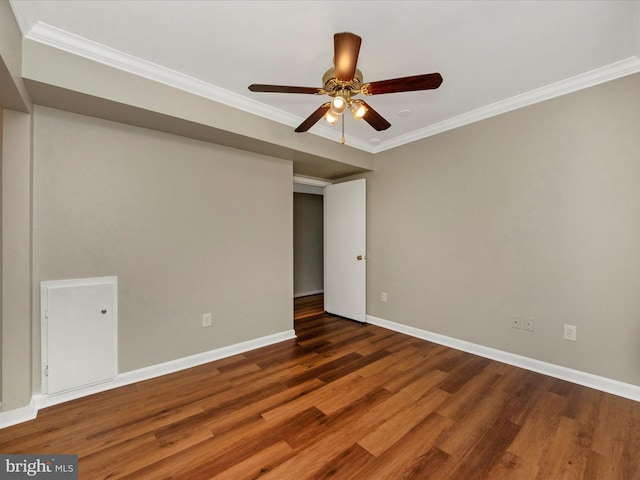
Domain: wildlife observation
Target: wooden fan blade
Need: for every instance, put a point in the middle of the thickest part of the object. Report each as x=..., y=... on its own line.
x=428, y=81
x=313, y=118
x=374, y=119
x=282, y=89
x=346, y=47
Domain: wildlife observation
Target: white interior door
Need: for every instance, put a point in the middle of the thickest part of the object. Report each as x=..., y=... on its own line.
x=79, y=333
x=344, y=249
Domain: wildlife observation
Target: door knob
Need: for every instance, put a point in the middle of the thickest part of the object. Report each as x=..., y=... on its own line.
x=359, y=257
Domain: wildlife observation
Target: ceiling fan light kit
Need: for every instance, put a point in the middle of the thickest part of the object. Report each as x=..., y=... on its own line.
x=338, y=105
x=331, y=117
x=358, y=109
x=344, y=81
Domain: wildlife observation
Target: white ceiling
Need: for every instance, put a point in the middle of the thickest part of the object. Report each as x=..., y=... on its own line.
x=494, y=55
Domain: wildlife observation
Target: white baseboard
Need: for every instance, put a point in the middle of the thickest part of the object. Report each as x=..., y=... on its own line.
x=603, y=384
x=39, y=401
x=19, y=415
x=306, y=294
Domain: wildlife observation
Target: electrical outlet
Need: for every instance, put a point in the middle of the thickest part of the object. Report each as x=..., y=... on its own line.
x=528, y=324
x=516, y=321
x=206, y=320
x=570, y=332
x=383, y=296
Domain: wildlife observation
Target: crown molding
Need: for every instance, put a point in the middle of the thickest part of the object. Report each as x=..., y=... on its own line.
x=80, y=46
x=61, y=39
x=57, y=38
x=613, y=71
x=25, y=14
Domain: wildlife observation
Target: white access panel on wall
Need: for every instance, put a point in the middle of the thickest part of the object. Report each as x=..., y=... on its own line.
x=79, y=333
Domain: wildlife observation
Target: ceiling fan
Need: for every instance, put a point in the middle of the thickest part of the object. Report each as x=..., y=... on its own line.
x=344, y=81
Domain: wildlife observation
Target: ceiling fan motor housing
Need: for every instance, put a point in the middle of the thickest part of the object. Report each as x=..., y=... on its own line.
x=332, y=86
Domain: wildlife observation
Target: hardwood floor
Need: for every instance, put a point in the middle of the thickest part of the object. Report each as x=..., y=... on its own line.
x=346, y=401
x=309, y=306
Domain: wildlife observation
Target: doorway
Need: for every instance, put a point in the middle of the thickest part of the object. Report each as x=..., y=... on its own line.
x=336, y=258
x=308, y=247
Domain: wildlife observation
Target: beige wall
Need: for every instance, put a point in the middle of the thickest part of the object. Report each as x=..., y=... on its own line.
x=534, y=213
x=188, y=227
x=16, y=259
x=308, y=253
x=15, y=159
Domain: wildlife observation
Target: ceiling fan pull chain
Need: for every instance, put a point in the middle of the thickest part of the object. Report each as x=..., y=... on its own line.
x=342, y=129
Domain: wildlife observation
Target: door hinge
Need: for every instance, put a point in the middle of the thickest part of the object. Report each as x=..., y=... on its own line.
x=46, y=371
x=46, y=314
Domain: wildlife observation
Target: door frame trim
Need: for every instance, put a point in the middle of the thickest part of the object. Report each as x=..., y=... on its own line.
x=314, y=182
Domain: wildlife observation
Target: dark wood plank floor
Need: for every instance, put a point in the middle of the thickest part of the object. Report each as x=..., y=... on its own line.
x=308, y=306
x=346, y=401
